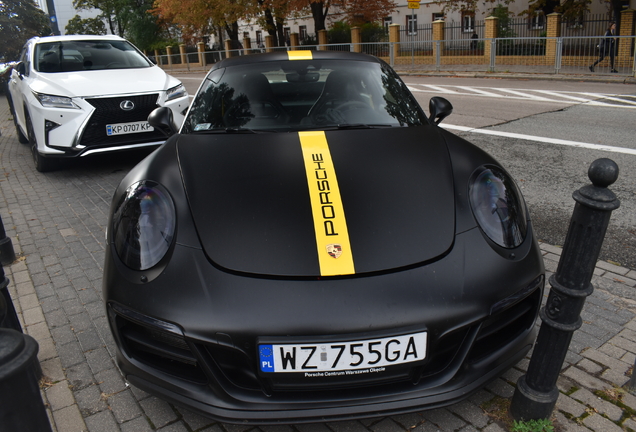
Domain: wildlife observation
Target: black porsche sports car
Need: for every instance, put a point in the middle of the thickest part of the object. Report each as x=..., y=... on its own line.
x=310, y=245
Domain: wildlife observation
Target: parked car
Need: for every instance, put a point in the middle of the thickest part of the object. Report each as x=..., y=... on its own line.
x=73, y=96
x=310, y=246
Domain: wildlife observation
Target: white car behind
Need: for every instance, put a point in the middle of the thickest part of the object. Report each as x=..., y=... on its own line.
x=73, y=96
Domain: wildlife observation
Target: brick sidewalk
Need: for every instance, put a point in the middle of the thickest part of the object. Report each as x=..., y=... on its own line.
x=57, y=222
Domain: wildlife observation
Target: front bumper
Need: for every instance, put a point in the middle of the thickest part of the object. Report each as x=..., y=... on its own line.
x=194, y=343
x=64, y=132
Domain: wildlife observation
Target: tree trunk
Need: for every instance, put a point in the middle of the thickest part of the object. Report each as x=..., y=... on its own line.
x=319, y=16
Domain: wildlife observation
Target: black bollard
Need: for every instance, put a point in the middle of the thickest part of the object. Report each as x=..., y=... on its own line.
x=536, y=392
x=10, y=316
x=21, y=406
x=7, y=253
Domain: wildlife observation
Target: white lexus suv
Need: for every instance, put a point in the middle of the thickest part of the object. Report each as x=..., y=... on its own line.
x=79, y=95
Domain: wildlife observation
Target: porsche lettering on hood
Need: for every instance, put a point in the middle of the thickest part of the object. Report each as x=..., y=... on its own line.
x=253, y=209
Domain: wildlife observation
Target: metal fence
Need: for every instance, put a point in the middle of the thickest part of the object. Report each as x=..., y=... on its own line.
x=518, y=54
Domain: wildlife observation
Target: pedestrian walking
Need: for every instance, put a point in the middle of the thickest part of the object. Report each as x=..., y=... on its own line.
x=607, y=47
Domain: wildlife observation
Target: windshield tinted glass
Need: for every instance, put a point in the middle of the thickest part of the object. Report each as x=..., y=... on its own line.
x=297, y=95
x=71, y=56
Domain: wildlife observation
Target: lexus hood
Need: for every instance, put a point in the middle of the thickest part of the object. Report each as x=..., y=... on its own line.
x=314, y=204
x=104, y=82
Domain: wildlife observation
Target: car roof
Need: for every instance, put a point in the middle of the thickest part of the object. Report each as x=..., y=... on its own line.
x=284, y=55
x=73, y=38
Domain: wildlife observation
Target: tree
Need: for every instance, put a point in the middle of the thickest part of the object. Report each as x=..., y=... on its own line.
x=90, y=26
x=114, y=12
x=20, y=20
x=356, y=12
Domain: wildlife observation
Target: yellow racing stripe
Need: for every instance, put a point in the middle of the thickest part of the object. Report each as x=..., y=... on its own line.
x=332, y=238
x=300, y=55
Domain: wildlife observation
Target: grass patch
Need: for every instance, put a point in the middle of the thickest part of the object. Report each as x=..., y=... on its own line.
x=542, y=425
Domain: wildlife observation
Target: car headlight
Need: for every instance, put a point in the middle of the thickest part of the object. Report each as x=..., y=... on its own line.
x=144, y=225
x=498, y=207
x=52, y=101
x=176, y=92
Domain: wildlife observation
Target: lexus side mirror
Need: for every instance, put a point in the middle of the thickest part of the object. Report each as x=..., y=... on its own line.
x=439, y=108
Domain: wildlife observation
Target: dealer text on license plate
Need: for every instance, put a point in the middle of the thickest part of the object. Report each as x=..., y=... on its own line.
x=128, y=128
x=339, y=356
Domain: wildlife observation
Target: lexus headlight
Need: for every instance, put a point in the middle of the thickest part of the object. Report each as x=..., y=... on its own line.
x=176, y=92
x=52, y=101
x=498, y=207
x=144, y=225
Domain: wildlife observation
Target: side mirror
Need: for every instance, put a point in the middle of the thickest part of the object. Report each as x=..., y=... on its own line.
x=439, y=108
x=21, y=69
x=162, y=119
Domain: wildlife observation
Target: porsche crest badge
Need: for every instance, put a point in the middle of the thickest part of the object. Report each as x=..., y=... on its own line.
x=334, y=250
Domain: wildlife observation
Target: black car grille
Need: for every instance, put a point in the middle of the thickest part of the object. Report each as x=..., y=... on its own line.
x=107, y=111
x=204, y=362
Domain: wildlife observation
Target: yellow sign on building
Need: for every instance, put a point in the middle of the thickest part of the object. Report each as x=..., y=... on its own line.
x=414, y=4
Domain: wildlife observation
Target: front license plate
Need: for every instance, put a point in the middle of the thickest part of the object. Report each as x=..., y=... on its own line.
x=343, y=356
x=128, y=128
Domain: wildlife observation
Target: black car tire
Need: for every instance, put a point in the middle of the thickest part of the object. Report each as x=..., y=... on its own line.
x=22, y=139
x=42, y=164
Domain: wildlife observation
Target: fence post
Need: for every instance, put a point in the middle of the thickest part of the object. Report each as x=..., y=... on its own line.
x=169, y=52
x=322, y=40
x=536, y=393
x=553, y=32
x=625, y=44
x=394, y=42
x=356, y=39
x=439, y=28
x=559, y=55
x=490, y=42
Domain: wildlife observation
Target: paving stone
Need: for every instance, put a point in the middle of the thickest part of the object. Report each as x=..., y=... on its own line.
x=140, y=424
x=585, y=379
x=158, y=411
x=70, y=419
x=90, y=400
x=599, y=423
x=174, y=427
x=194, y=421
x=444, y=419
x=604, y=359
x=124, y=406
x=567, y=404
x=80, y=376
x=589, y=366
x=110, y=381
x=347, y=426
x=102, y=422
x=562, y=424
x=52, y=369
x=501, y=388
x=59, y=396
x=471, y=413
x=602, y=406
x=99, y=360
x=408, y=421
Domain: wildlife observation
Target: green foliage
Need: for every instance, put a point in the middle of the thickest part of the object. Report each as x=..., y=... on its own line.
x=373, y=32
x=20, y=20
x=89, y=26
x=503, y=23
x=340, y=32
x=543, y=425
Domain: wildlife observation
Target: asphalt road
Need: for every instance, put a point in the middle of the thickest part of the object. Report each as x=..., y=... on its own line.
x=548, y=173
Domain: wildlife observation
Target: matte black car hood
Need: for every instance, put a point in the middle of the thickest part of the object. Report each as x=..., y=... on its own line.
x=250, y=199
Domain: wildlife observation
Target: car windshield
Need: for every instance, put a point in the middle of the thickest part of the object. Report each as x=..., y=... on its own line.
x=302, y=95
x=69, y=56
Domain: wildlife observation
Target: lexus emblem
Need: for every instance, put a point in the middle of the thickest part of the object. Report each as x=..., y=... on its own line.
x=334, y=250
x=127, y=105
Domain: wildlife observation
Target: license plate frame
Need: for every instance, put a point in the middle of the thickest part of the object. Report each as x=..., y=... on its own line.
x=351, y=356
x=128, y=128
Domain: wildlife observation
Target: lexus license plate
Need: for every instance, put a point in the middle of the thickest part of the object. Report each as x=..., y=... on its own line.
x=128, y=128
x=342, y=356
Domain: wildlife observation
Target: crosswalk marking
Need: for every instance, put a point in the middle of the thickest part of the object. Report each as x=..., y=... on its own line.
x=550, y=96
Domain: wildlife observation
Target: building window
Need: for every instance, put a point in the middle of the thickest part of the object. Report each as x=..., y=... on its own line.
x=468, y=22
x=387, y=22
x=286, y=33
x=437, y=16
x=259, y=37
x=302, y=33
x=411, y=24
x=246, y=35
x=537, y=22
